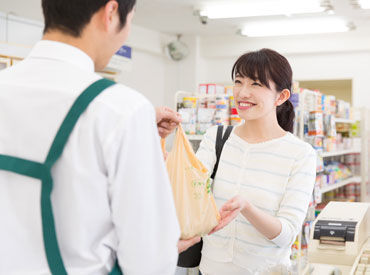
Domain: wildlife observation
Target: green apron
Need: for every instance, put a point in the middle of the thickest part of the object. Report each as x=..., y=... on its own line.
x=42, y=171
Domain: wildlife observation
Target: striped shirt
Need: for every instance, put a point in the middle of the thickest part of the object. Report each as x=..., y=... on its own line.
x=277, y=177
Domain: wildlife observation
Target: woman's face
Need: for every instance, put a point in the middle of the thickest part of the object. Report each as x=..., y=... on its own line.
x=253, y=100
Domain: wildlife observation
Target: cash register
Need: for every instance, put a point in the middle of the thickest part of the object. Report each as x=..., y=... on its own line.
x=339, y=233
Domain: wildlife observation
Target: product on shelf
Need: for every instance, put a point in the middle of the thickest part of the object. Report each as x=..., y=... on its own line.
x=329, y=104
x=316, y=142
x=353, y=161
x=205, y=119
x=202, y=111
x=222, y=117
x=350, y=193
x=188, y=116
x=202, y=128
x=202, y=102
x=294, y=99
x=190, y=102
x=229, y=90
x=336, y=172
x=189, y=129
x=355, y=129
x=319, y=163
x=211, y=89
x=222, y=102
x=330, y=144
x=203, y=89
x=234, y=117
x=211, y=102
x=343, y=109
x=315, y=123
x=330, y=129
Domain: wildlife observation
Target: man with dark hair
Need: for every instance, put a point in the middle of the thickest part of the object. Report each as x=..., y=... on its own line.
x=83, y=185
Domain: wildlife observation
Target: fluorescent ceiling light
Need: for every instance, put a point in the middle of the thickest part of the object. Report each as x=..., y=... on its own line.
x=295, y=27
x=261, y=8
x=364, y=4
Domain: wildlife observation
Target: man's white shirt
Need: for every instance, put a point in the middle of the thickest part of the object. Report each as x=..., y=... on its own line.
x=111, y=190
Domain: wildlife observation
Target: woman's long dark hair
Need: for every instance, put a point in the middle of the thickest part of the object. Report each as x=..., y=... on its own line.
x=265, y=65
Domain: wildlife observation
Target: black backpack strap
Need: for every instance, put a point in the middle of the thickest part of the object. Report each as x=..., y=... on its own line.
x=220, y=142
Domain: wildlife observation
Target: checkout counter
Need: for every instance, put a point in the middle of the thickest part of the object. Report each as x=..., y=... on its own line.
x=339, y=241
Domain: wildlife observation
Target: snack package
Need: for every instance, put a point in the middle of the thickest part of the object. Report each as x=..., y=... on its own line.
x=191, y=186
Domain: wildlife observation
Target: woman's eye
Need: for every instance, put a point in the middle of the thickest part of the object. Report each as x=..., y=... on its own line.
x=238, y=82
x=256, y=84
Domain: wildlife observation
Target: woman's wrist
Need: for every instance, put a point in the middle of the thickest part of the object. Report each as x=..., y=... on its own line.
x=246, y=206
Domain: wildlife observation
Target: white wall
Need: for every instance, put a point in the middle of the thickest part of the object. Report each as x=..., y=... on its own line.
x=355, y=66
x=150, y=67
x=147, y=76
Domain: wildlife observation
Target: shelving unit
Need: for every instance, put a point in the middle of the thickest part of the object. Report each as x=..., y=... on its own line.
x=194, y=137
x=340, y=184
x=339, y=153
x=363, y=151
x=364, y=139
x=345, y=120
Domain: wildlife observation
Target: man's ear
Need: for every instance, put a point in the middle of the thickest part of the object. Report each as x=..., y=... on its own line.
x=110, y=16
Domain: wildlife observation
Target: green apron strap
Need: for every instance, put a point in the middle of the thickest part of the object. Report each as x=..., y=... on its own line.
x=78, y=107
x=40, y=171
x=56, y=149
x=116, y=269
x=23, y=167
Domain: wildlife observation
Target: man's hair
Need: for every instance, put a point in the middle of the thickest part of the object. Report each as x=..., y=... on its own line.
x=71, y=16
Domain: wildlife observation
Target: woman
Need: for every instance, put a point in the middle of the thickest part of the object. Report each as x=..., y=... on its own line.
x=265, y=176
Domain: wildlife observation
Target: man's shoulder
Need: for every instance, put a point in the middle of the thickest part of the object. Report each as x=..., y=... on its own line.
x=123, y=99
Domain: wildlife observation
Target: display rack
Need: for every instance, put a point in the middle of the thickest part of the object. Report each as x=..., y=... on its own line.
x=341, y=183
x=364, y=140
x=339, y=153
x=363, y=151
x=194, y=138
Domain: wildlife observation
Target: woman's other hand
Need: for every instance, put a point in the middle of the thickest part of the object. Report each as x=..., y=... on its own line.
x=229, y=211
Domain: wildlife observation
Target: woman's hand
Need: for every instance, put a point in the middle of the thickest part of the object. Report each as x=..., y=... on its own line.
x=229, y=211
x=183, y=245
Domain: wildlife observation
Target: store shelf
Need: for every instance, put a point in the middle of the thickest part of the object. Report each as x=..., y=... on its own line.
x=340, y=184
x=339, y=153
x=344, y=120
x=194, y=137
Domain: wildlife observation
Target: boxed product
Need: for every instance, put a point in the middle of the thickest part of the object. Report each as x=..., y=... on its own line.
x=190, y=102
x=315, y=123
x=229, y=90
x=222, y=102
x=221, y=117
x=189, y=128
x=203, y=127
x=205, y=115
x=203, y=89
x=188, y=115
x=211, y=102
x=215, y=89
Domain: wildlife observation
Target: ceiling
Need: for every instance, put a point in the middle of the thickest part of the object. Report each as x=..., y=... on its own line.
x=176, y=16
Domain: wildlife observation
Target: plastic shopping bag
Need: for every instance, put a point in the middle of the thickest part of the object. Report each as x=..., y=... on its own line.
x=195, y=206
